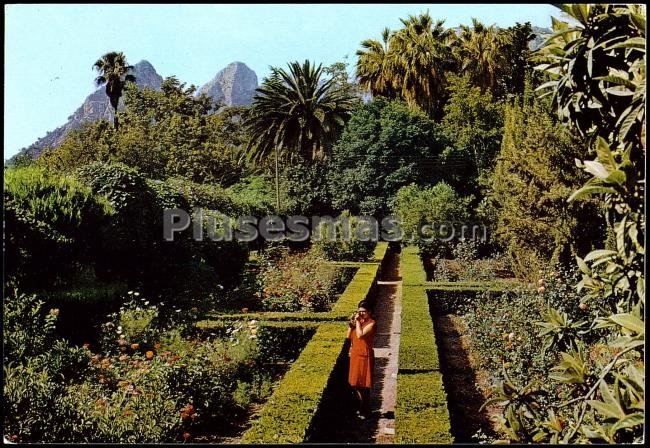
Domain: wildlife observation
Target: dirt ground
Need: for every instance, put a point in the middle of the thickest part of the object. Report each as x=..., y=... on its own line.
x=467, y=386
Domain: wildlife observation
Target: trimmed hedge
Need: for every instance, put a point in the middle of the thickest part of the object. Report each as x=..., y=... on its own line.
x=288, y=414
x=493, y=286
x=421, y=414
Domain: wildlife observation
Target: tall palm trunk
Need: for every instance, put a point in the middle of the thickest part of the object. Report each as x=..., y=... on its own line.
x=277, y=183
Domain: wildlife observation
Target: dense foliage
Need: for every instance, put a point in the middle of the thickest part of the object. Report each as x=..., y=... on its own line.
x=430, y=217
x=534, y=176
x=295, y=282
x=605, y=397
x=385, y=146
x=162, y=133
x=451, y=132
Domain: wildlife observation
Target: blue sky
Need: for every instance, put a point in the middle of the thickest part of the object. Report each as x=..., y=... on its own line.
x=50, y=49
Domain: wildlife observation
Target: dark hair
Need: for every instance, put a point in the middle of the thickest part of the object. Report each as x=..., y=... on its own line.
x=365, y=304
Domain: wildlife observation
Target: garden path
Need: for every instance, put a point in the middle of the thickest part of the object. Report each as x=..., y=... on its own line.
x=388, y=311
x=338, y=422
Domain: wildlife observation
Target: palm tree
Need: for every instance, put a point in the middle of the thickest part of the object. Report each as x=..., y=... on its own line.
x=373, y=66
x=410, y=63
x=114, y=72
x=295, y=113
x=421, y=56
x=480, y=52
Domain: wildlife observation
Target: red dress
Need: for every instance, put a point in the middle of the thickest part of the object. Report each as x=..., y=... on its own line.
x=362, y=358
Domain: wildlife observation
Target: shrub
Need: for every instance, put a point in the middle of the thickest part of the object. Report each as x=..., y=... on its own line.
x=253, y=195
x=50, y=220
x=421, y=414
x=332, y=245
x=133, y=244
x=432, y=206
x=28, y=330
x=300, y=281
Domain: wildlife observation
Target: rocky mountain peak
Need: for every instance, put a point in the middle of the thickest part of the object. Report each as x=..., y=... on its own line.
x=146, y=75
x=234, y=85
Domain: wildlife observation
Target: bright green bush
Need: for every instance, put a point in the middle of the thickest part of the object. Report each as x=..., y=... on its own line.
x=253, y=195
x=416, y=207
x=332, y=245
x=421, y=414
x=50, y=220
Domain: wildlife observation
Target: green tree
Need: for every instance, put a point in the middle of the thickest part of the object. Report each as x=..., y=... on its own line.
x=373, y=66
x=480, y=52
x=296, y=115
x=473, y=126
x=385, y=146
x=534, y=175
x=114, y=73
x=516, y=52
x=166, y=133
x=298, y=112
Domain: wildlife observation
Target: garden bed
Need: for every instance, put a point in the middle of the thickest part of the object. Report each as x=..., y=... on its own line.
x=466, y=384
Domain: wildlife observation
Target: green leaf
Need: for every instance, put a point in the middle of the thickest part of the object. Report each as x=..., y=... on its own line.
x=629, y=421
x=599, y=253
x=590, y=191
x=597, y=169
x=604, y=154
x=583, y=266
x=629, y=321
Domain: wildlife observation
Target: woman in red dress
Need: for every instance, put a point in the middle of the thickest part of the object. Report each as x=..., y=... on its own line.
x=361, y=332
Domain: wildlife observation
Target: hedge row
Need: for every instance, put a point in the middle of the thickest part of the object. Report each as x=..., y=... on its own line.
x=418, y=349
x=287, y=416
x=421, y=414
x=494, y=286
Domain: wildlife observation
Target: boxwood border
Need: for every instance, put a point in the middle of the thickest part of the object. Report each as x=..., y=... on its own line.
x=288, y=414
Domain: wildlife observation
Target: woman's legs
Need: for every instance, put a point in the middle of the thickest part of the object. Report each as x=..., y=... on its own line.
x=365, y=400
x=363, y=394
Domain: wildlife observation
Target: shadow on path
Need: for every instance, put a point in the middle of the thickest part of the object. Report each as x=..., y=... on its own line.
x=464, y=399
x=336, y=421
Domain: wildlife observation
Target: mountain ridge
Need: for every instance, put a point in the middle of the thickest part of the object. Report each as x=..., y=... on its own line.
x=235, y=84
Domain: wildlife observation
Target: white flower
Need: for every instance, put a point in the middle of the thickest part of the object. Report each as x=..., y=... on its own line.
x=130, y=292
x=136, y=294
x=146, y=303
x=119, y=328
